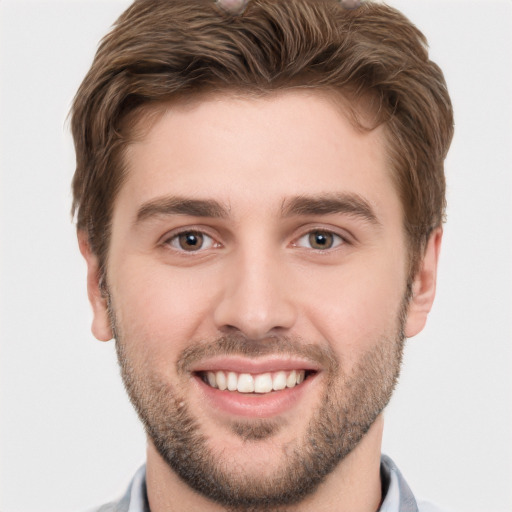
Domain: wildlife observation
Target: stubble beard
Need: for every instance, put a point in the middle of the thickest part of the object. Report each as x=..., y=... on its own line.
x=348, y=408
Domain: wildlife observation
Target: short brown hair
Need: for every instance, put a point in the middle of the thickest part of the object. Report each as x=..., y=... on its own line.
x=162, y=49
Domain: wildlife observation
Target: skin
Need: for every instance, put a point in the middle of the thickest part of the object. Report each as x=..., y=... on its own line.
x=257, y=277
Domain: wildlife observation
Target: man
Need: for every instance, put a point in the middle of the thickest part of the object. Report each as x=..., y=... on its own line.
x=259, y=195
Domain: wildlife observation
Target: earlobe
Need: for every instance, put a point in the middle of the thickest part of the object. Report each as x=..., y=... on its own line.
x=101, y=327
x=424, y=286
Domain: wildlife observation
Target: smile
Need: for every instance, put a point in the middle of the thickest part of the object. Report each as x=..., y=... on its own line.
x=261, y=387
x=254, y=383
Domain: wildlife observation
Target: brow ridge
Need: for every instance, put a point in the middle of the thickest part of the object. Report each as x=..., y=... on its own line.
x=352, y=204
x=176, y=205
x=325, y=204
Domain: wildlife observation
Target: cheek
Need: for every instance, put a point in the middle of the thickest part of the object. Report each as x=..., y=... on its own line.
x=161, y=308
x=359, y=308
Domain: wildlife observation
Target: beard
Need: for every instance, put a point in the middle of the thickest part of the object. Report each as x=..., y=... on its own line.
x=349, y=406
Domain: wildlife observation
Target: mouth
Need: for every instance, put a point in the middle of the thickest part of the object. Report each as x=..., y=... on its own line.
x=236, y=386
x=255, y=383
x=233, y=386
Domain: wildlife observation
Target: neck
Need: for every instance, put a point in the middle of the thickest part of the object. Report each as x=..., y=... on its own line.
x=353, y=486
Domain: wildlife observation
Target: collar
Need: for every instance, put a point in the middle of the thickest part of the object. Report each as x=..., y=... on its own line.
x=398, y=496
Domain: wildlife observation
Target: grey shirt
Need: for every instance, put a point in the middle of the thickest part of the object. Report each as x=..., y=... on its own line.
x=398, y=497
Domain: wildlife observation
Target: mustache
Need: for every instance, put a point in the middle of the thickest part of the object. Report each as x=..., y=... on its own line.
x=239, y=345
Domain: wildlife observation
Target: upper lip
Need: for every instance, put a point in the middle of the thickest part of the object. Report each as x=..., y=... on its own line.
x=240, y=364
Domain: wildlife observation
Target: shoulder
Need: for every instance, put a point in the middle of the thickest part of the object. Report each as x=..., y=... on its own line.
x=115, y=506
x=397, y=495
x=108, y=507
x=134, y=499
x=425, y=506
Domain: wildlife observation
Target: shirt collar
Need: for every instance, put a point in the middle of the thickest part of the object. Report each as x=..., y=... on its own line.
x=398, y=496
x=137, y=497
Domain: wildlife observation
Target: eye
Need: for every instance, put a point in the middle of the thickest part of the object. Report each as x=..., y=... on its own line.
x=191, y=241
x=320, y=240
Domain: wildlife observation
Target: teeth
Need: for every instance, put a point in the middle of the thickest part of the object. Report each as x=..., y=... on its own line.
x=245, y=383
x=211, y=379
x=260, y=383
x=263, y=383
x=279, y=381
x=292, y=379
x=221, y=380
x=232, y=381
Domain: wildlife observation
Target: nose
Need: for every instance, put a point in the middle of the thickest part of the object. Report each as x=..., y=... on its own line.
x=256, y=298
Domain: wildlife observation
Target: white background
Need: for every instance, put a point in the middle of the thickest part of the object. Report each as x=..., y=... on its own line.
x=69, y=439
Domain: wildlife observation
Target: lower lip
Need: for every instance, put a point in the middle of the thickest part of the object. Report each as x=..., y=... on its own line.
x=254, y=405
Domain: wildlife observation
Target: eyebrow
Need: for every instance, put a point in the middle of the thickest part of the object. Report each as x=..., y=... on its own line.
x=181, y=206
x=326, y=204
x=351, y=204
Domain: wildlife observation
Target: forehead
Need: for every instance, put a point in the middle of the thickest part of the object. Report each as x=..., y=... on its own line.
x=234, y=148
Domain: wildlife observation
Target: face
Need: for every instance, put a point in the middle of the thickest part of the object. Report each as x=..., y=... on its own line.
x=257, y=289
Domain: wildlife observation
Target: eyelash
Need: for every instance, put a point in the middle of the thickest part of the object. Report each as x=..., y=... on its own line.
x=337, y=239
x=173, y=241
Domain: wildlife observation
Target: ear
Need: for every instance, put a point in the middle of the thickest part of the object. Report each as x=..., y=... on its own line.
x=424, y=286
x=101, y=327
